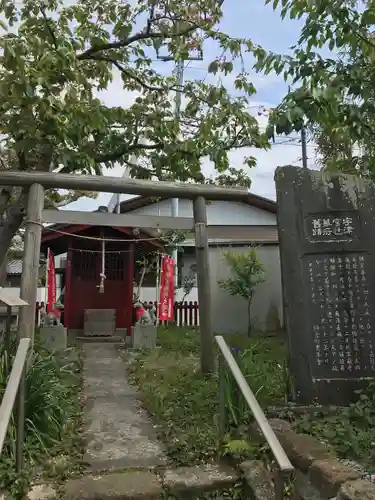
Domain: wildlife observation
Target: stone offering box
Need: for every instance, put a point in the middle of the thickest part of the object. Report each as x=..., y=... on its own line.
x=327, y=248
x=144, y=336
x=54, y=338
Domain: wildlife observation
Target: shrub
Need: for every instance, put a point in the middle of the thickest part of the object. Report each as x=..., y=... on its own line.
x=247, y=272
x=51, y=403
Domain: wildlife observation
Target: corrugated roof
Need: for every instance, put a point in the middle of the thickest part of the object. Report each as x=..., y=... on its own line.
x=14, y=266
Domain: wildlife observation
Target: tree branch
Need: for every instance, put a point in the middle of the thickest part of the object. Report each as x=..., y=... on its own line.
x=120, y=67
x=115, y=155
x=135, y=38
x=52, y=34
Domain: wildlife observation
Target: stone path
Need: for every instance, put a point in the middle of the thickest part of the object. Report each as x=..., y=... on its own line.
x=119, y=432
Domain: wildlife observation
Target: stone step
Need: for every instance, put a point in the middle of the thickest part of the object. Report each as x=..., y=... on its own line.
x=259, y=481
x=305, y=488
x=114, y=339
x=183, y=482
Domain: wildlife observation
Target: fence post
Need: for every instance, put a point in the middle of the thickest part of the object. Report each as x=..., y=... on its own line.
x=222, y=416
x=175, y=312
x=196, y=313
x=278, y=483
x=185, y=313
x=191, y=314
x=21, y=421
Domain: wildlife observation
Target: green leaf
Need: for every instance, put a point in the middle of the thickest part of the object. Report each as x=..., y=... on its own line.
x=213, y=67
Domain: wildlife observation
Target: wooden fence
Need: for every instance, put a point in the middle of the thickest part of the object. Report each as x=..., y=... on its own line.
x=185, y=313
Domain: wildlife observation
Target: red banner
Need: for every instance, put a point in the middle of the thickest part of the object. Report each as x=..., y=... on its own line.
x=51, y=283
x=166, y=303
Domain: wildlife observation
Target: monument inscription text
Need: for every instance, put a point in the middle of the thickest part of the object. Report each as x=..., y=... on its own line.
x=342, y=329
x=339, y=226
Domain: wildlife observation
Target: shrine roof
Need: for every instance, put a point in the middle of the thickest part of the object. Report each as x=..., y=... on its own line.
x=58, y=237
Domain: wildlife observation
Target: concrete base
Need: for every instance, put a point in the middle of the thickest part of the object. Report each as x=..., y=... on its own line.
x=54, y=338
x=76, y=337
x=144, y=336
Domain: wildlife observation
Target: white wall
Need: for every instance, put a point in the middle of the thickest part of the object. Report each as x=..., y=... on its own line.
x=40, y=292
x=148, y=294
x=224, y=213
x=230, y=313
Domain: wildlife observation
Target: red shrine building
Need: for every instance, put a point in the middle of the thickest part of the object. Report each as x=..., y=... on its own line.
x=91, y=251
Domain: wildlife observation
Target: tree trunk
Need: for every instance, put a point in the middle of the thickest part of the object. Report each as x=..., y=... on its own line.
x=11, y=224
x=3, y=270
x=249, y=318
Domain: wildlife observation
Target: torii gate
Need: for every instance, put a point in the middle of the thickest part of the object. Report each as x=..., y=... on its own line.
x=36, y=217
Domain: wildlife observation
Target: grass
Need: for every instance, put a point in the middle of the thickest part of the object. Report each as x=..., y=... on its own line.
x=53, y=413
x=183, y=403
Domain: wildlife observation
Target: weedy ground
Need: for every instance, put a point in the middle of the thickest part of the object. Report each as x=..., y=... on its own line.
x=184, y=404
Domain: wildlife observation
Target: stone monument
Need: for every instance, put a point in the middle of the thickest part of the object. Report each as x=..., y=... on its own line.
x=326, y=227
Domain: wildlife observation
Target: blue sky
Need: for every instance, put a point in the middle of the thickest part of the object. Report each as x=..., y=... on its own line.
x=242, y=18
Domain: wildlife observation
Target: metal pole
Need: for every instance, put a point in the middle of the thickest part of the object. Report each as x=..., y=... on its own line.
x=252, y=402
x=119, y=185
x=304, y=147
x=174, y=208
x=21, y=400
x=180, y=67
x=9, y=396
x=204, y=286
x=222, y=408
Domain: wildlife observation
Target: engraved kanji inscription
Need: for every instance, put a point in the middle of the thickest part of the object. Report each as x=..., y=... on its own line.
x=342, y=328
x=332, y=227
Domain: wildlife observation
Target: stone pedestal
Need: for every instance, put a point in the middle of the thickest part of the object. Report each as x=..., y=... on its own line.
x=54, y=338
x=144, y=336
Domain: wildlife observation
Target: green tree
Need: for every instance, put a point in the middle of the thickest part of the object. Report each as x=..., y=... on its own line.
x=233, y=177
x=333, y=94
x=53, y=199
x=334, y=150
x=55, y=58
x=247, y=272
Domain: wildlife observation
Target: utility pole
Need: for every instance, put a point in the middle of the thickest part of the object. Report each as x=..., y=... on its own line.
x=174, y=208
x=179, y=72
x=304, y=147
